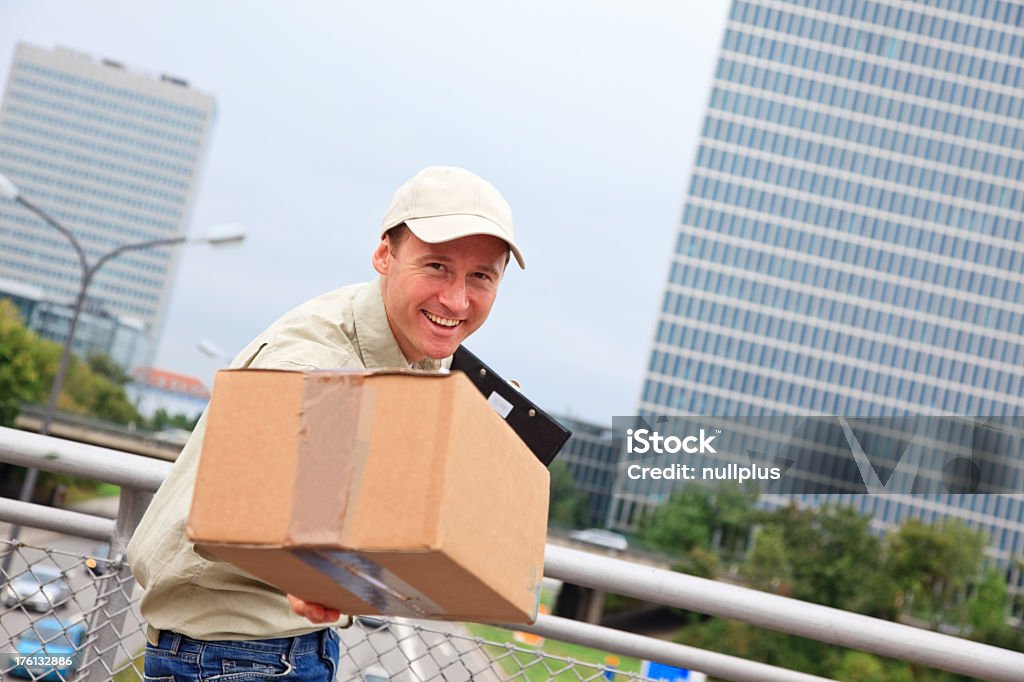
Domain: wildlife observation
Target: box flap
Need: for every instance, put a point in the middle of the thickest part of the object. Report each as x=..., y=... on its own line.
x=494, y=471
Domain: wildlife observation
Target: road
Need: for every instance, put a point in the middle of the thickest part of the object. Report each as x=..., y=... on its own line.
x=67, y=553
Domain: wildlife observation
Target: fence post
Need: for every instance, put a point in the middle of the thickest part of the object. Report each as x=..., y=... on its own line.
x=114, y=592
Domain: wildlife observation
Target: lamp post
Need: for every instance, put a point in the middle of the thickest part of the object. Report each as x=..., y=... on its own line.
x=211, y=350
x=220, y=236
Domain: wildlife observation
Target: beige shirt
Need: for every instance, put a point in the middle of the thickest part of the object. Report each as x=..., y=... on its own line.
x=186, y=593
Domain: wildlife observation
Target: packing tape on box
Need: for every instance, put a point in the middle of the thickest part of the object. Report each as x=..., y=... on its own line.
x=330, y=410
x=371, y=582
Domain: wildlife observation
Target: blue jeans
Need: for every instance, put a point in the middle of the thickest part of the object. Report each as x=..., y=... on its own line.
x=312, y=657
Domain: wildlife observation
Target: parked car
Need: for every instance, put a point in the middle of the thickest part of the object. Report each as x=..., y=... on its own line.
x=372, y=622
x=601, y=538
x=41, y=587
x=49, y=649
x=173, y=436
x=374, y=674
x=97, y=562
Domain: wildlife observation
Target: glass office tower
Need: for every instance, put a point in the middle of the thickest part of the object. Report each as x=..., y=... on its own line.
x=851, y=242
x=590, y=456
x=115, y=156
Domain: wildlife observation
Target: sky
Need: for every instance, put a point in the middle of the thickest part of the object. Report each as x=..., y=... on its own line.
x=585, y=115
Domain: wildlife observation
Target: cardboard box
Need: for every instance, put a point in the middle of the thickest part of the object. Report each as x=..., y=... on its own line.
x=399, y=493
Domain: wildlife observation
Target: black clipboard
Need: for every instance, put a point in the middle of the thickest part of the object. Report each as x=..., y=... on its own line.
x=537, y=429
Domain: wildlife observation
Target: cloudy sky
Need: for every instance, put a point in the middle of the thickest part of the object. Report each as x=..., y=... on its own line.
x=585, y=114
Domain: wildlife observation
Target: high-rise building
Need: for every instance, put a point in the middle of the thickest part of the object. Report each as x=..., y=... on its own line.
x=590, y=456
x=852, y=239
x=112, y=154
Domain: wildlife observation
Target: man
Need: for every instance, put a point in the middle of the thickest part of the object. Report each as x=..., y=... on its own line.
x=445, y=242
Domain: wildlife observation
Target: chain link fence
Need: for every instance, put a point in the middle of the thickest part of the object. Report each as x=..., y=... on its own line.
x=58, y=599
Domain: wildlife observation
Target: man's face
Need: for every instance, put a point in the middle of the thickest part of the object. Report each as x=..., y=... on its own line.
x=436, y=295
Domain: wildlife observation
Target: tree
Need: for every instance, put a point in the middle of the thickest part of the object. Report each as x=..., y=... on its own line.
x=105, y=367
x=798, y=653
x=713, y=519
x=28, y=365
x=20, y=378
x=842, y=568
x=740, y=639
x=825, y=555
x=986, y=613
x=90, y=393
x=679, y=525
x=700, y=562
x=861, y=666
x=986, y=609
x=568, y=504
x=767, y=566
x=732, y=516
x=933, y=565
x=162, y=420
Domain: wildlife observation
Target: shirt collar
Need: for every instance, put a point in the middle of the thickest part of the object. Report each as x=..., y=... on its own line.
x=375, y=340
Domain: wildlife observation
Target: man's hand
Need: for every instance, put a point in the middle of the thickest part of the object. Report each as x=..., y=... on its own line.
x=315, y=613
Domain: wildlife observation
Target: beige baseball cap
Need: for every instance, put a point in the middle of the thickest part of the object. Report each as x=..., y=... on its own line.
x=442, y=203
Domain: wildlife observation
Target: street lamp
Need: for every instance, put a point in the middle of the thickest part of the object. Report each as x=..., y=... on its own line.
x=219, y=236
x=223, y=235
x=211, y=350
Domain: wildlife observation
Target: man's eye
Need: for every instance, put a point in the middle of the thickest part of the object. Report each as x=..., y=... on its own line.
x=482, y=275
x=435, y=266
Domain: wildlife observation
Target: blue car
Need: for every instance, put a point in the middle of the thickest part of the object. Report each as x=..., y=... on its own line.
x=49, y=649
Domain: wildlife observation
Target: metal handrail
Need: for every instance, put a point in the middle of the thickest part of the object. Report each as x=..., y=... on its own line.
x=140, y=476
x=56, y=520
x=84, y=461
x=771, y=611
x=712, y=663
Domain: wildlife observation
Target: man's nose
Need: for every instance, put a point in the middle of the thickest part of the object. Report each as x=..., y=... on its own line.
x=453, y=296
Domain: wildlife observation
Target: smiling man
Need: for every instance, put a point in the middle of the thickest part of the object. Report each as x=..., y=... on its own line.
x=444, y=245
x=436, y=295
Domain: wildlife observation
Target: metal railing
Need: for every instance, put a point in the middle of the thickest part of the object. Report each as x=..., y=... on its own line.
x=418, y=650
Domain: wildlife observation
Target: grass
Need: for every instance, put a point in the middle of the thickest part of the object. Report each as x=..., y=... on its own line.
x=107, y=490
x=535, y=666
x=80, y=491
x=128, y=674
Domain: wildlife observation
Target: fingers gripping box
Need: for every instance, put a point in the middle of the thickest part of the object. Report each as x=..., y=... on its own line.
x=398, y=493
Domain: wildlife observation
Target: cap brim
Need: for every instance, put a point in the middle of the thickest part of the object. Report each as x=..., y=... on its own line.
x=444, y=228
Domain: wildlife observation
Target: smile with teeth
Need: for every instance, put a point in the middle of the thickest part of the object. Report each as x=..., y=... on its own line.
x=443, y=321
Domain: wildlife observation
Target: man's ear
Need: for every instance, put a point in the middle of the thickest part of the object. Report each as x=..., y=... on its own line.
x=382, y=256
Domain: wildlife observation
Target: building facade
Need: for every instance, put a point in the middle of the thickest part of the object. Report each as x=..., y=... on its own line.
x=112, y=154
x=121, y=338
x=852, y=241
x=592, y=459
x=153, y=389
